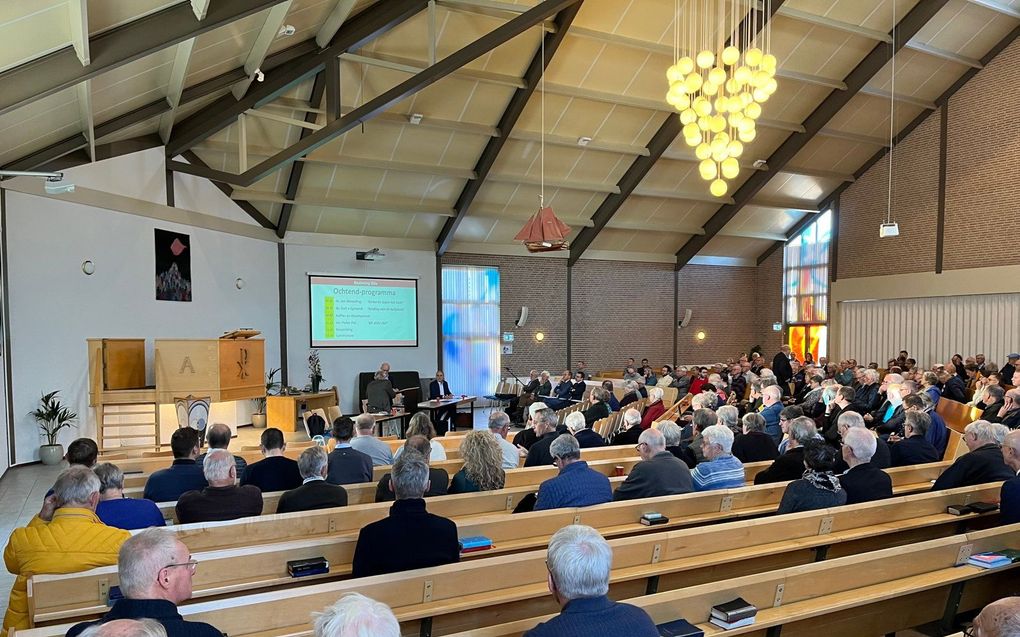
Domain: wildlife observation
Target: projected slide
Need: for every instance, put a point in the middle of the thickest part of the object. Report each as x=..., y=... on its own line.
x=363, y=311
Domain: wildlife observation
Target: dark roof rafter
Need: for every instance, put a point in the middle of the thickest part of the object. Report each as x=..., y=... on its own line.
x=298, y=167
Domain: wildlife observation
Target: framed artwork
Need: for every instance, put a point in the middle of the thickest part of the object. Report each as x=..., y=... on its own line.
x=173, y=266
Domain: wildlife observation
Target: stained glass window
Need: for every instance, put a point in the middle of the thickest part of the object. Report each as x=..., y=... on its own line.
x=806, y=287
x=471, y=345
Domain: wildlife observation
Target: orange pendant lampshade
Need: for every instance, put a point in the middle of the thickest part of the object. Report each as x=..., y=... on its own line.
x=544, y=232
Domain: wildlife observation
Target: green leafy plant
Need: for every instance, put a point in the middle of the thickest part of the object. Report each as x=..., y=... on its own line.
x=314, y=366
x=53, y=416
x=272, y=386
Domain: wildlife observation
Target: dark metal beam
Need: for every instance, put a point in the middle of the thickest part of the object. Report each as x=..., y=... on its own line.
x=356, y=32
x=227, y=190
x=872, y=63
x=753, y=23
x=506, y=124
x=940, y=217
x=61, y=70
x=298, y=167
x=332, y=73
x=386, y=100
x=941, y=101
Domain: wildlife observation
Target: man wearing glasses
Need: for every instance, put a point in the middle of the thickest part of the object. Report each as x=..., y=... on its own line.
x=155, y=571
x=658, y=473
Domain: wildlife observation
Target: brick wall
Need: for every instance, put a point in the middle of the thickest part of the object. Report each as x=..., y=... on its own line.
x=983, y=167
x=722, y=303
x=768, y=304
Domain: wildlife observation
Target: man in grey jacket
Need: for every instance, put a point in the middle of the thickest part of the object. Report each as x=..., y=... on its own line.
x=658, y=473
x=368, y=444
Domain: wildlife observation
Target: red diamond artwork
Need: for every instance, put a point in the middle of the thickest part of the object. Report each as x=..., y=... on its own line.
x=177, y=247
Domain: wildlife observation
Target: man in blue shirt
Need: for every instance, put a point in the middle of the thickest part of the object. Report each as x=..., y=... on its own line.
x=772, y=404
x=577, y=485
x=579, y=562
x=721, y=470
x=166, y=485
x=116, y=510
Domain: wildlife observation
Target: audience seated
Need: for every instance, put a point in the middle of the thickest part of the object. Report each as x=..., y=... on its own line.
x=547, y=430
x=701, y=419
x=819, y=488
x=410, y=537
x=499, y=427
x=577, y=427
x=983, y=463
x=937, y=433
x=772, y=404
x=579, y=562
x=955, y=388
x=564, y=392
x=275, y=472
x=65, y=537
x=155, y=570
x=166, y=485
x=482, y=470
x=721, y=470
x=867, y=398
x=888, y=417
x=223, y=499
x=914, y=447
x=527, y=436
x=1009, y=499
x=630, y=435
x=790, y=465
x=83, y=451
x=851, y=420
x=576, y=485
x=863, y=481
x=355, y=615
x=611, y=399
x=599, y=407
x=729, y=417
x=517, y=403
x=655, y=408
x=218, y=437
x=631, y=393
x=439, y=479
x=347, y=465
x=420, y=425
x=842, y=398
x=366, y=442
x=118, y=511
x=126, y=628
x=754, y=445
x=673, y=435
x=994, y=400
x=658, y=473
x=786, y=416
x=1009, y=414
x=314, y=492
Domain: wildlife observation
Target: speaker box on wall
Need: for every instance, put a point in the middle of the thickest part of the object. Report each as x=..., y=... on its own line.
x=686, y=319
x=523, y=318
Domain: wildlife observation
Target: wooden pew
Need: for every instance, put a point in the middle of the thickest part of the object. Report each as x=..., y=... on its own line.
x=957, y=415
x=667, y=559
x=873, y=593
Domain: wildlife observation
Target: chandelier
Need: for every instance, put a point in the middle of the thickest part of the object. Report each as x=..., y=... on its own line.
x=719, y=91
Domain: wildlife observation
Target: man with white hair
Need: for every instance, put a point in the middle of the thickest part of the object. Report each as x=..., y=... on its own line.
x=630, y=435
x=528, y=436
x=366, y=442
x=889, y=416
x=499, y=427
x=546, y=428
x=867, y=397
x=772, y=404
x=721, y=470
x=577, y=485
x=314, y=493
x=863, y=481
x=852, y=420
x=579, y=563
x=983, y=463
x=355, y=615
x=790, y=465
x=577, y=427
x=155, y=570
x=1001, y=618
x=1009, y=496
x=223, y=499
x=73, y=540
x=655, y=408
x=658, y=473
x=729, y=416
x=126, y=628
x=914, y=447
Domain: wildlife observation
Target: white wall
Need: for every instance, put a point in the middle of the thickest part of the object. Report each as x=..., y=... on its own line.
x=54, y=307
x=342, y=366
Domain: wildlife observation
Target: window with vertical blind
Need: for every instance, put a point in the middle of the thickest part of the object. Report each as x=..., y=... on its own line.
x=471, y=339
x=806, y=288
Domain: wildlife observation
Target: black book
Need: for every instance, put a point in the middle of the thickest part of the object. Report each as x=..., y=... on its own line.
x=734, y=611
x=679, y=628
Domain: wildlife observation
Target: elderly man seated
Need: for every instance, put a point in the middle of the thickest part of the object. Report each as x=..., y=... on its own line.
x=630, y=435
x=499, y=427
x=983, y=463
x=66, y=537
x=579, y=562
x=1009, y=495
x=223, y=499
x=721, y=470
x=658, y=473
x=368, y=444
x=1001, y=618
x=126, y=628
x=863, y=481
x=655, y=408
x=355, y=615
x=155, y=570
x=546, y=429
x=790, y=465
x=314, y=493
x=577, y=427
x=577, y=485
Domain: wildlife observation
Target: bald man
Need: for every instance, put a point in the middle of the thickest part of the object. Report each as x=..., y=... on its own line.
x=999, y=619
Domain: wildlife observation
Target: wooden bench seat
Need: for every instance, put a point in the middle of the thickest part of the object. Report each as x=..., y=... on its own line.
x=658, y=560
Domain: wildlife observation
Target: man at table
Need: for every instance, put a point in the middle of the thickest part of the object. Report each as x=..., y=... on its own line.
x=380, y=393
x=438, y=390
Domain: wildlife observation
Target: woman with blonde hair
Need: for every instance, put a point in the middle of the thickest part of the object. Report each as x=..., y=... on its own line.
x=483, y=461
x=421, y=425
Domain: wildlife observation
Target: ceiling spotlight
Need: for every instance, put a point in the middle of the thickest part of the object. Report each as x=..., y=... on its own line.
x=286, y=31
x=415, y=118
x=583, y=141
x=260, y=76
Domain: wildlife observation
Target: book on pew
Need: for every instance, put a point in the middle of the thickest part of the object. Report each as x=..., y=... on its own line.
x=474, y=544
x=995, y=559
x=679, y=628
x=306, y=567
x=733, y=614
x=740, y=623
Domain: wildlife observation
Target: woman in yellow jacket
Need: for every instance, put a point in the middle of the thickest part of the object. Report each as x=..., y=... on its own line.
x=73, y=540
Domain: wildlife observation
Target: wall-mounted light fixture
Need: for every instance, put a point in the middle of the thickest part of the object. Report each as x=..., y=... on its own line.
x=88, y=267
x=701, y=336
x=539, y=336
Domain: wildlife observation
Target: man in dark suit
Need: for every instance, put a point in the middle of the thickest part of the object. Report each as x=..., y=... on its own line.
x=439, y=479
x=867, y=398
x=546, y=429
x=410, y=538
x=841, y=401
x=439, y=389
x=562, y=394
x=586, y=438
x=853, y=420
x=347, y=465
x=658, y=473
x=983, y=463
x=599, y=408
x=994, y=401
x=315, y=492
x=223, y=499
x=166, y=485
x=782, y=368
x=914, y=447
x=579, y=563
x=754, y=445
x=955, y=388
x=1009, y=497
x=863, y=481
x=1006, y=371
x=275, y=472
x=790, y=465
x=517, y=404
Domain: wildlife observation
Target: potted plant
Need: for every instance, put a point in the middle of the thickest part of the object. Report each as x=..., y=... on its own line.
x=52, y=416
x=258, y=419
x=314, y=370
